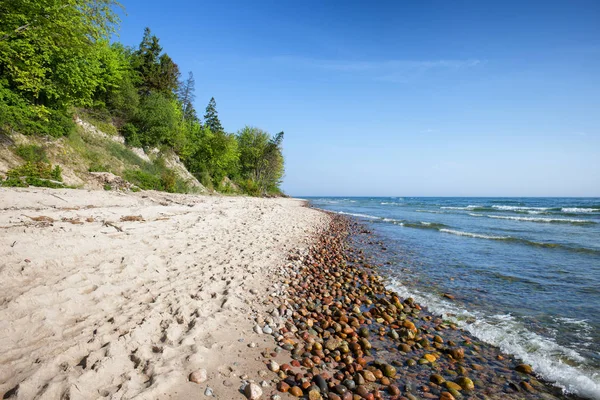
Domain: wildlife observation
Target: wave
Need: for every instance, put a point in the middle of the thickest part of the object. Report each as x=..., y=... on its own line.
x=522, y=241
x=446, y=229
x=545, y=220
x=359, y=215
x=474, y=235
x=511, y=336
x=424, y=225
x=577, y=210
x=520, y=208
x=461, y=208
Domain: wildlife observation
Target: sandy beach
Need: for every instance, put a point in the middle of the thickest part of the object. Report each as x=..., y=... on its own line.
x=114, y=295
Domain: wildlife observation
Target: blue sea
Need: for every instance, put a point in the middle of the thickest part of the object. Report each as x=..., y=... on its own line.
x=524, y=272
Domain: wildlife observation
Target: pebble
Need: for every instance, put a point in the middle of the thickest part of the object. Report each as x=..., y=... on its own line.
x=369, y=376
x=465, y=383
x=253, y=391
x=446, y=396
x=267, y=330
x=273, y=366
x=199, y=376
x=524, y=369
x=527, y=387
x=314, y=394
x=283, y=387
x=333, y=313
x=389, y=371
x=452, y=385
x=208, y=392
x=296, y=391
x=257, y=329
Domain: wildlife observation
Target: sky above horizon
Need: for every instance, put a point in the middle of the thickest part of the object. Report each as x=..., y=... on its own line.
x=428, y=98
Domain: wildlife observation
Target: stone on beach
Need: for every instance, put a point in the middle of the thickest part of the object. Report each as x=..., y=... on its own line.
x=199, y=376
x=253, y=391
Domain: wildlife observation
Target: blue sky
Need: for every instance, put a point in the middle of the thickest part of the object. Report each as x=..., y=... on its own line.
x=427, y=98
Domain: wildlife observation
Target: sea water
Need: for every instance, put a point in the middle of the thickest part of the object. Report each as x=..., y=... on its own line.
x=524, y=272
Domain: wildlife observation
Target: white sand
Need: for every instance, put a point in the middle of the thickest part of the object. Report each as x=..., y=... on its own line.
x=88, y=311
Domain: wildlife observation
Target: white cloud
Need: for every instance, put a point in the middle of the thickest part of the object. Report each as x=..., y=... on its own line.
x=385, y=70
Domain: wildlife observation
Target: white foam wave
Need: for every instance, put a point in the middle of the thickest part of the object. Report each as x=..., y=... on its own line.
x=426, y=223
x=387, y=203
x=473, y=235
x=358, y=215
x=476, y=215
x=538, y=219
x=516, y=208
x=573, y=321
x=575, y=210
x=511, y=336
x=469, y=207
x=430, y=211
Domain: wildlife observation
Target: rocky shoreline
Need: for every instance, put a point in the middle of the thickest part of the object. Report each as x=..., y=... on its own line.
x=350, y=338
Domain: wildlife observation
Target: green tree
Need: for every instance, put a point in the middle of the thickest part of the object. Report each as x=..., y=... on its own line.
x=47, y=51
x=211, y=117
x=157, y=120
x=50, y=58
x=261, y=158
x=215, y=154
x=157, y=71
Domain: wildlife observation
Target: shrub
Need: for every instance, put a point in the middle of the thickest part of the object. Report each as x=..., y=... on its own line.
x=250, y=187
x=168, y=181
x=143, y=180
x=32, y=153
x=95, y=167
x=132, y=137
x=206, y=180
x=34, y=174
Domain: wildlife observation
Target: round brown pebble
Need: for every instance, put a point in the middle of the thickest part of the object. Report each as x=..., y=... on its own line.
x=296, y=392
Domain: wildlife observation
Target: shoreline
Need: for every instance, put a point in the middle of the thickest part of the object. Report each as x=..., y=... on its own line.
x=153, y=295
x=350, y=335
x=139, y=295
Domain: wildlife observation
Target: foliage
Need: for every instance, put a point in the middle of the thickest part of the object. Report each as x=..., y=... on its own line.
x=215, y=153
x=158, y=72
x=157, y=120
x=34, y=174
x=56, y=57
x=47, y=48
x=151, y=179
x=211, y=117
x=261, y=159
x=32, y=153
x=101, y=119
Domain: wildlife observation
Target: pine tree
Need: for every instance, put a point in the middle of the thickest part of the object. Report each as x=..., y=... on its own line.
x=147, y=59
x=186, y=97
x=211, y=118
x=158, y=72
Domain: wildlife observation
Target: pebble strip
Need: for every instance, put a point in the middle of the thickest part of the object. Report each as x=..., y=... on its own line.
x=350, y=338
